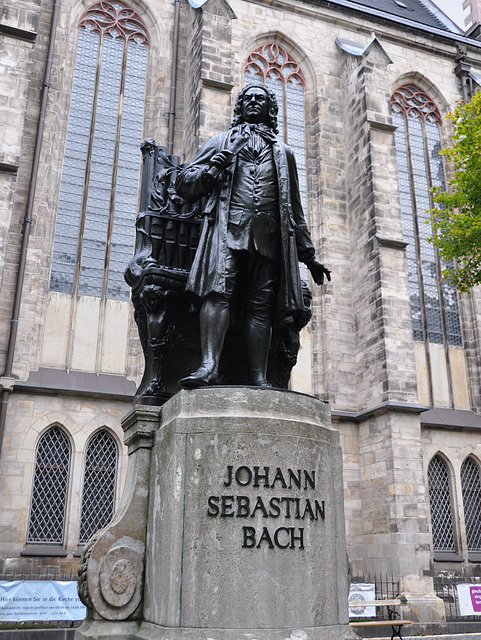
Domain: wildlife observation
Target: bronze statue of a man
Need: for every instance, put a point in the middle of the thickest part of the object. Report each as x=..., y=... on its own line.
x=254, y=229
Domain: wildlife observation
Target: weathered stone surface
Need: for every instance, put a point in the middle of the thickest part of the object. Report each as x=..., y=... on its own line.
x=209, y=579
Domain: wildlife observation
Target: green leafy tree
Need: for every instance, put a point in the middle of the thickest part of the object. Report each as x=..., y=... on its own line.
x=456, y=216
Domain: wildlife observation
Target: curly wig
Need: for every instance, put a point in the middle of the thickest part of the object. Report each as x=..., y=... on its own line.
x=273, y=108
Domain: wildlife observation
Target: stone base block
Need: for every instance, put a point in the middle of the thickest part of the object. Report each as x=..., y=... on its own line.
x=246, y=520
x=94, y=630
x=423, y=607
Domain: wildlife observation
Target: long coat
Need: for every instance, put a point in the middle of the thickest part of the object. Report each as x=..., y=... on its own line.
x=207, y=274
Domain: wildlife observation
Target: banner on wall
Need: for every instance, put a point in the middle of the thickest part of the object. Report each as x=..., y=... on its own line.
x=358, y=592
x=469, y=597
x=23, y=600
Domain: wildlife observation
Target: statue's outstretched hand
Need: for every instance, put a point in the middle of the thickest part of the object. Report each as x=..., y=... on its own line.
x=318, y=271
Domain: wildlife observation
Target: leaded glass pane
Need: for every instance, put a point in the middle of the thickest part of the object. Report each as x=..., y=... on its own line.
x=50, y=484
x=73, y=176
x=451, y=311
x=252, y=75
x=128, y=170
x=423, y=203
x=471, y=488
x=450, y=295
x=441, y=505
x=407, y=212
x=98, y=499
x=276, y=85
x=100, y=184
x=296, y=132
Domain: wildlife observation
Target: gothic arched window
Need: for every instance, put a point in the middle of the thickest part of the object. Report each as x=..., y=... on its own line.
x=98, y=193
x=434, y=304
x=274, y=66
x=50, y=488
x=441, y=505
x=98, y=497
x=471, y=488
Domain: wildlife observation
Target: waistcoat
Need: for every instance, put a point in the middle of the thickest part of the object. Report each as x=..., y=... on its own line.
x=254, y=222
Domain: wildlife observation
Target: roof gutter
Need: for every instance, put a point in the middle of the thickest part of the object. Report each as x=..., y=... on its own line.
x=27, y=223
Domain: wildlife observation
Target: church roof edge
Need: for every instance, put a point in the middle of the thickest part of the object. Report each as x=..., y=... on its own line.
x=434, y=27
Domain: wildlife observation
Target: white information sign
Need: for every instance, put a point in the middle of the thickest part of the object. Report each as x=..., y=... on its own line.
x=23, y=600
x=362, y=591
x=469, y=596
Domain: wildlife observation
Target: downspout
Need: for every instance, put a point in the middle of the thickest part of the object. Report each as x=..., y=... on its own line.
x=173, y=79
x=27, y=222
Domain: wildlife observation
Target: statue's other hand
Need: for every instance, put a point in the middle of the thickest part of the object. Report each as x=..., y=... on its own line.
x=318, y=271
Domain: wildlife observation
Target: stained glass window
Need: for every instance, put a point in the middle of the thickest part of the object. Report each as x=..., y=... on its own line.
x=98, y=193
x=434, y=302
x=440, y=502
x=50, y=485
x=471, y=488
x=98, y=498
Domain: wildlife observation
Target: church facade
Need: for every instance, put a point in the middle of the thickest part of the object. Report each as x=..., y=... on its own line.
x=364, y=90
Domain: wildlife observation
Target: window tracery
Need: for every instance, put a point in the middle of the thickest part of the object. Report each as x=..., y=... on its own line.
x=115, y=19
x=271, y=61
x=413, y=102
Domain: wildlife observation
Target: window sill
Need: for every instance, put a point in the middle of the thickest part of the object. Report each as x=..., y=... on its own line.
x=44, y=550
x=474, y=556
x=447, y=556
x=78, y=551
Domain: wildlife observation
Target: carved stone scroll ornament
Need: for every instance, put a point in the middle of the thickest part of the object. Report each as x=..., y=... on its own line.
x=111, y=571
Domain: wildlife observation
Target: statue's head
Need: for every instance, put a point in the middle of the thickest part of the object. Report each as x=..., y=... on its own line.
x=256, y=104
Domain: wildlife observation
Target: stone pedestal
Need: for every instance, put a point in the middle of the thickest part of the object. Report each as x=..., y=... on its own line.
x=242, y=535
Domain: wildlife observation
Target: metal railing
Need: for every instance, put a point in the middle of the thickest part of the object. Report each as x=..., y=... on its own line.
x=445, y=588
x=387, y=588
